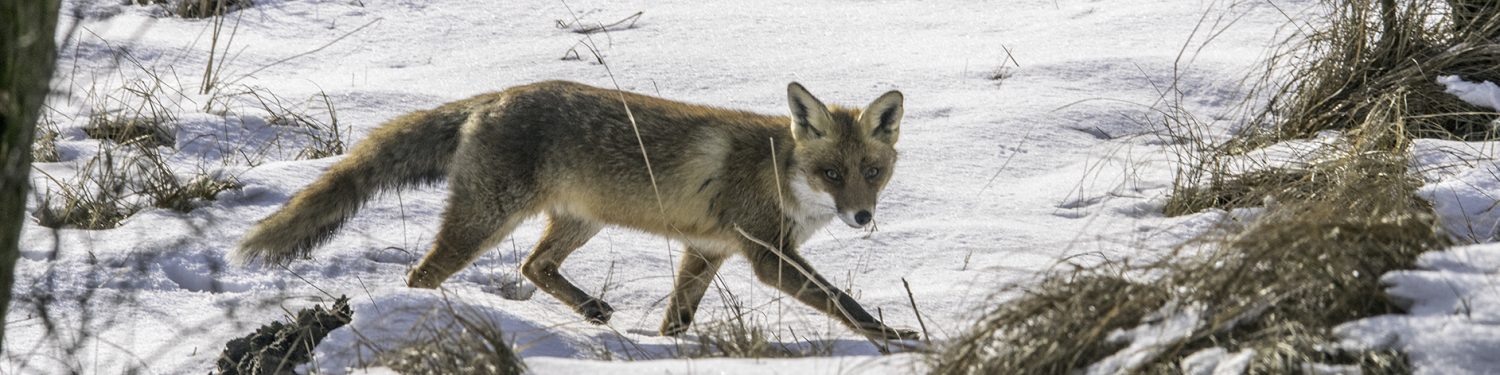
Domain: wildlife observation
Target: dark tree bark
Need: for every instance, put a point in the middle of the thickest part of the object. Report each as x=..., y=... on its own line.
x=28, y=55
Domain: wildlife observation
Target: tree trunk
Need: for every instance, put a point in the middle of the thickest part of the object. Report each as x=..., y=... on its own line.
x=27, y=58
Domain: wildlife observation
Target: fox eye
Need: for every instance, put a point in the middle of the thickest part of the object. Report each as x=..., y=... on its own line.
x=832, y=174
x=871, y=172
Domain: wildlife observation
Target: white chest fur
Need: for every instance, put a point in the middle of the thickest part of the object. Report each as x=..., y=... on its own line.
x=812, y=209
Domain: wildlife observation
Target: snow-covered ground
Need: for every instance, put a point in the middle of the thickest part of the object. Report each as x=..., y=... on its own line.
x=1023, y=147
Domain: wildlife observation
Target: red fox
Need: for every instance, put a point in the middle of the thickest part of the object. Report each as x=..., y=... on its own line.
x=720, y=181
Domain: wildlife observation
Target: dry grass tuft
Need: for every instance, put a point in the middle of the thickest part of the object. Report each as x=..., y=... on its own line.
x=1314, y=259
x=1369, y=50
x=1310, y=262
x=44, y=149
x=740, y=332
x=197, y=8
x=208, y=8
x=138, y=114
x=468, y=345
x=1330, y=227
x=1054, y=328
x=164, y=189
x=1243, y=190
x=137, y=131
x=743, y=335
x=131, y=173
x=107, y=191
x=325, y=137
x=100, y=198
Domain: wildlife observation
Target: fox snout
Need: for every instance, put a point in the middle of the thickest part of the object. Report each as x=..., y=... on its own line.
x=857, y=218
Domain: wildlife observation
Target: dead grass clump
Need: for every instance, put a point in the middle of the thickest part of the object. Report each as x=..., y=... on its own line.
x=44, y=149
x=197, y=8
x=1314, y=261
x=1304, y=350
x=185, y=196
x=137, y=114
x=80, y=209
x=736, y=339
x=277, y=348
x=1368, y=50
x=125, y=130
x=743, y=336
x=740, y=336
x=1310, y=261
x=1054, y=328
x=314, y=119
x=107, y=191
x=1243, y=190
x=100, y=198
x=743, y=333
x=467, y=353
x=1469, y=14
x=208, y=8
x=326, y=140
x=164, y=189
x=467, y=346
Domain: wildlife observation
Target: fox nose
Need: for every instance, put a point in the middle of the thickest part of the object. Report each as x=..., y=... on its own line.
x=863, y=217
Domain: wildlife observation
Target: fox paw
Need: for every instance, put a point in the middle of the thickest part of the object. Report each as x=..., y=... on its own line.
x=676, y=325
x=884, y=332
x=672, y=328
x=596, y=311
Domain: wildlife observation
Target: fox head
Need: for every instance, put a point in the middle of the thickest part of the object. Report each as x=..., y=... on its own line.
x=843, y=156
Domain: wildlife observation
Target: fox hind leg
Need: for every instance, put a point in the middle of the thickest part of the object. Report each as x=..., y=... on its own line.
x=478, y=216
x=564, y=235
x=461, y=239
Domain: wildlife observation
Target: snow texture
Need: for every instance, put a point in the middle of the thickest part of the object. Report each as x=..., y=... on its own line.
x=1484, y=94
x=1170, y=324
x=1217, y=361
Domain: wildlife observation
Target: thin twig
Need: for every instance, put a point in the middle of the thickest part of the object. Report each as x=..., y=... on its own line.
x=927, y=337
x=309, y=52
x=597, y=28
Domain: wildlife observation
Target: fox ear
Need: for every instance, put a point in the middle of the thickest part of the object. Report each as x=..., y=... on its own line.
x=882, y=118
x=810, y=118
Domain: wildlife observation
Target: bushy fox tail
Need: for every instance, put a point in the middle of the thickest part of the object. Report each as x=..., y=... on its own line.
x=412, y=149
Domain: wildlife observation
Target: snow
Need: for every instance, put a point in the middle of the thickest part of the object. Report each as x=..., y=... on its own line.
x=999, y=179
x=1484, y=94
x=1461, y=184
x=1170, y=324
x=1217, y=361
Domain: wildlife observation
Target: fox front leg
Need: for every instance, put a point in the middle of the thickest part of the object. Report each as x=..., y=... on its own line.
x=693, y=278
x=787, y=271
